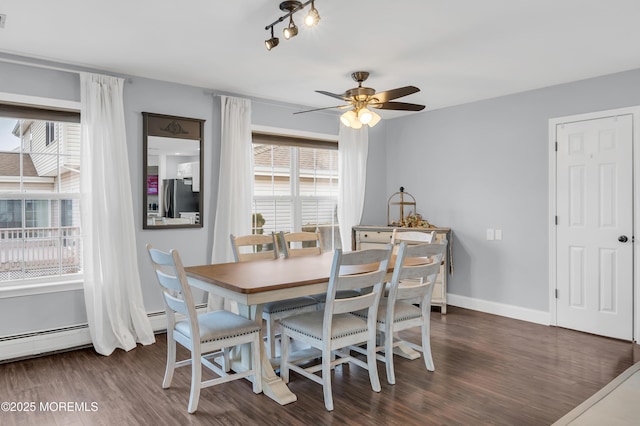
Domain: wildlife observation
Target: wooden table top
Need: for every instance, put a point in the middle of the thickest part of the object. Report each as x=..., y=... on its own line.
x=267, y=275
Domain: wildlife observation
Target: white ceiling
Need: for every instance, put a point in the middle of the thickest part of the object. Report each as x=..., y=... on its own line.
x=455, y=51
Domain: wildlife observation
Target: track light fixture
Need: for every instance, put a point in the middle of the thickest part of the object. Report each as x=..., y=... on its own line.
x=291, y=30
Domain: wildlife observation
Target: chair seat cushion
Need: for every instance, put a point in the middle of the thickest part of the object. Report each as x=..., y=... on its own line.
x=289, y=304
x=310, y=324
x=402, y=312
x=219, y=325
x=340, y=294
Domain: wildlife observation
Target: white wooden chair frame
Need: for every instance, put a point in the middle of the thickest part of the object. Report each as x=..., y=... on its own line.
x=300, y=237
x=337, y=328
x=218, y=331
x=408, y=284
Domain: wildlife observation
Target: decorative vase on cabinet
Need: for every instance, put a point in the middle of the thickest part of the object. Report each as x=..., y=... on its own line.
x=365, y=237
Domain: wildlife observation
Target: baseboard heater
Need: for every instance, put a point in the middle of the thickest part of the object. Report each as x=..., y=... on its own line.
x=47, y=342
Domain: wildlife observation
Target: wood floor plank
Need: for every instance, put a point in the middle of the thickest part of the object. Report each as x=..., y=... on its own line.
x=489, y=370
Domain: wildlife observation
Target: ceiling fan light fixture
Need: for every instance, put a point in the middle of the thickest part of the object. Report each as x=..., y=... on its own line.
x=365, y=116
x=313, y=17
x=349, y=117
x=375, y=119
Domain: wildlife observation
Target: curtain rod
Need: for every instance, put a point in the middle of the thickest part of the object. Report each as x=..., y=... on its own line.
x=56, y=68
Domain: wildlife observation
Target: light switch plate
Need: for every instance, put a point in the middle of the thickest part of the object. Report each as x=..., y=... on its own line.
x=498, y=234
x=490, y=234
x=3, y=19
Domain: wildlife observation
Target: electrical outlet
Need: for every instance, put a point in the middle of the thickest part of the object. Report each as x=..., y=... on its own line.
x=490, y=234
x=3, y=19
x=498, y=234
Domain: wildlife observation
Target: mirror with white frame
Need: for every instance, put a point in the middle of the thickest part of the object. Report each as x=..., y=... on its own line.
x=172, y=171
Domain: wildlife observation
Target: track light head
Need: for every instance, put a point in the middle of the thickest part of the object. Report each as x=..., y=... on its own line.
x=292, y=30
x=272, y=42
x=313, y=17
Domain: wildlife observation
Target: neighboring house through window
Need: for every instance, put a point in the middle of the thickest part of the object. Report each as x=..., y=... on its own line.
x=296, y=186
x=39, y=194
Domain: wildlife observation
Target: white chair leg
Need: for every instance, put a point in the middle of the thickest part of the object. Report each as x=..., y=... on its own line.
x=326, y=379
x=372, y=364
x=388, y=358
x=426, y=343
x=284, y=357
x=171, y=361
x=196, y=379
x=256, y=364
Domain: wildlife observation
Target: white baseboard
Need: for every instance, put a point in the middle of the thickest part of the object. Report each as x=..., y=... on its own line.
x=509, y=311
x=78, y=336
x=43, y=342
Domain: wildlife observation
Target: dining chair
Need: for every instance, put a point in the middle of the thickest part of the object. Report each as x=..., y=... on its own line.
x=286, y=242
x=414, y=274
x=248, y=248
x=412, y=237
x=335, y=327
x=294, y=244
x=254, y=247
x=205, y=335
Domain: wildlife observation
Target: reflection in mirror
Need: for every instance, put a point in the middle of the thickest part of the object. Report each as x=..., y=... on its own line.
x=172, y=171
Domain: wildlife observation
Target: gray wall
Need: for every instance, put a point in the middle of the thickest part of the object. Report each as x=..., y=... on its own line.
x=471, y=167
x=52, y=310
x=485, y=165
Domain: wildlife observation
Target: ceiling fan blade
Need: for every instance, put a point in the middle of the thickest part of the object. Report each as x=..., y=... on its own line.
x=320, y=109
x=400, y=106
x=334, y=95
x=395, y=93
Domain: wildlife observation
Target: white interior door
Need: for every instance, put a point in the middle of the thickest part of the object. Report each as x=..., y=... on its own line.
x=594, y=217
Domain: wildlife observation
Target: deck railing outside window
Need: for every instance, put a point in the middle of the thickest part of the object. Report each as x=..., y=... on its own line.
x=38, y=252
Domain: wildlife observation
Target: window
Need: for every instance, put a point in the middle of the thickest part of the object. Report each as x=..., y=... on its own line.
x=50, y=135
x=39, y=194
x=296, y=186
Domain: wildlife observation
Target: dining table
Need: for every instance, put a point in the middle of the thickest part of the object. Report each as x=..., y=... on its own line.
x=252, y=284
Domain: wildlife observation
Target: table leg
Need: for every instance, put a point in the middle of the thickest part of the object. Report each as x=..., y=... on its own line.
x=404, y=350
x=272, y=384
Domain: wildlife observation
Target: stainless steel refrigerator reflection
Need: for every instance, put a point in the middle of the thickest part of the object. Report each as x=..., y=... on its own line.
x=179, y=197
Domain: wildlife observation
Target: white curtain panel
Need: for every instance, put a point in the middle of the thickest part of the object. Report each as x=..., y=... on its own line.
x=113, y=296
x=235, y=182
x=353, y=149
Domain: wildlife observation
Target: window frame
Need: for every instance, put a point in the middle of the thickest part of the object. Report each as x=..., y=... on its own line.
x=58, y=110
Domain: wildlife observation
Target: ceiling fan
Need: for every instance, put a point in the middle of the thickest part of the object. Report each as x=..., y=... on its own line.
x=362, y=98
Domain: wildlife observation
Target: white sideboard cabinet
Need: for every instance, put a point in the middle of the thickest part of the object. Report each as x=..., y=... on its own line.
x=364, y=237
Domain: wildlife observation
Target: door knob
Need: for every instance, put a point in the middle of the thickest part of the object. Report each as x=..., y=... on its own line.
x=623, y=238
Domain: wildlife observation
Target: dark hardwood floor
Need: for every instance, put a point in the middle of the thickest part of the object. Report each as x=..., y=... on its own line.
x=489, y=370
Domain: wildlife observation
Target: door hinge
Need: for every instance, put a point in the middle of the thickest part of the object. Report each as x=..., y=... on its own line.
x=556, y=292
x=556, y=146
x=556, y=220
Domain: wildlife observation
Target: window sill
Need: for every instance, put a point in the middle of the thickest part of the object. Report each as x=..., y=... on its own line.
x=31, y=288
